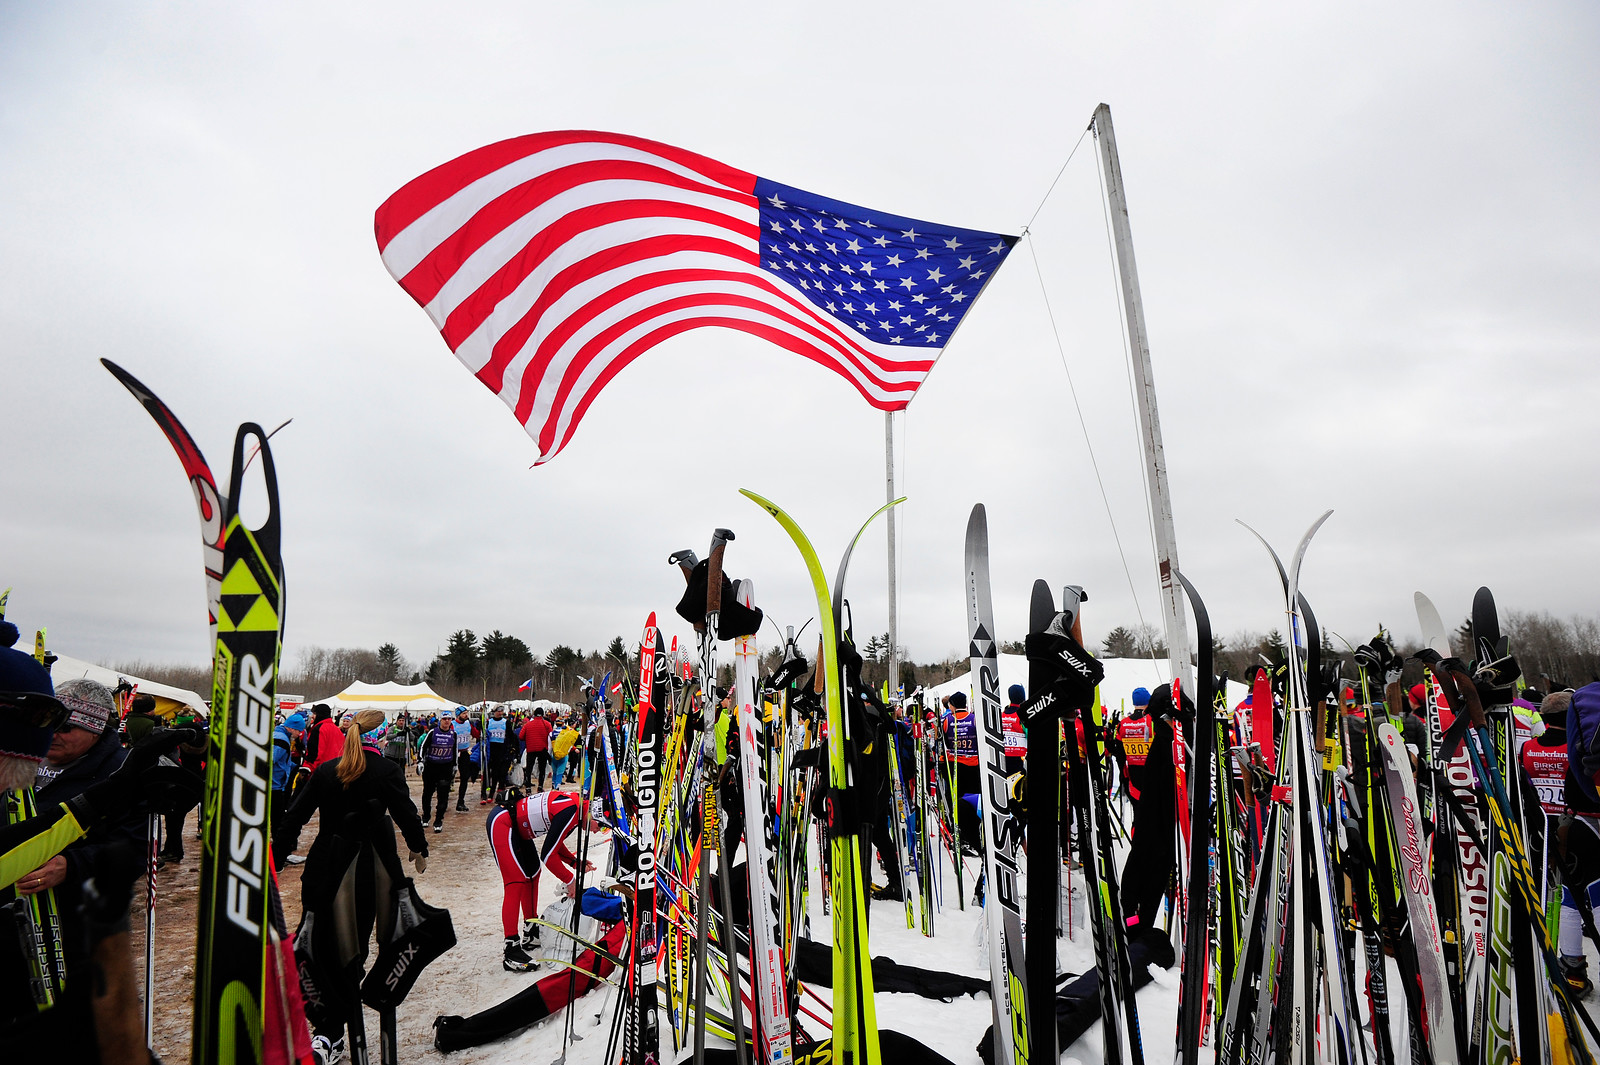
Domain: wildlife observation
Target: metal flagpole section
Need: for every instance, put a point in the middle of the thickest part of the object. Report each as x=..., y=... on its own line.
x=1177, y=625
x=894, y=607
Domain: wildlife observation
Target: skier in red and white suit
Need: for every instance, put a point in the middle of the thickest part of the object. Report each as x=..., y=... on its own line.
x=525, y=837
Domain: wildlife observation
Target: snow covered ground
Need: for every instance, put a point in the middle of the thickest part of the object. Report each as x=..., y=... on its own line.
x=470, y=978
x=461, y=876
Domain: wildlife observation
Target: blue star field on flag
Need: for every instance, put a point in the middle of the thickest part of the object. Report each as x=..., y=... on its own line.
x=896, y=280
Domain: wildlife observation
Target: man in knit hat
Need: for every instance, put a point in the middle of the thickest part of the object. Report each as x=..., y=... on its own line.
x=97, y=1008
x=85, y=751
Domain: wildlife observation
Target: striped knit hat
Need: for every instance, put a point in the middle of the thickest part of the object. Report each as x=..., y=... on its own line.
x=89, y=703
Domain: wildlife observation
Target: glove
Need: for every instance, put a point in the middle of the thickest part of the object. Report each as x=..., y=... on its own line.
x=1076, y=675
x=787, y=673
x=140, y=777
x=420, y=861
x=1379, y=658
x=1497, y=681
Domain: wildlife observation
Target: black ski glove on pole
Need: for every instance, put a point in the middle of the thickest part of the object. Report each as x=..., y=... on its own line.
x=1075, y=674
x=141, y=777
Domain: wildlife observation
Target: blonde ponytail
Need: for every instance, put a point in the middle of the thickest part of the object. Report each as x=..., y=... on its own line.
x=353, y=762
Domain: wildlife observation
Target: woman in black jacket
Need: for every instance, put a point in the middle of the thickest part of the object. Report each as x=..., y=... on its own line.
x=353, y=869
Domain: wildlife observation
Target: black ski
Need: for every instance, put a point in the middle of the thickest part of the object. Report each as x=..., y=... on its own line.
x=1192, y=998
x=1044, y=846
x=231, y=947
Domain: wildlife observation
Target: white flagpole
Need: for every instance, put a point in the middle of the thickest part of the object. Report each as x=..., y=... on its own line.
x=894, y=612
x=1172, y=608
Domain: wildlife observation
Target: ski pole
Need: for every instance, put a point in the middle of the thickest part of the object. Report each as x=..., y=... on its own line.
x=730, y=946
x=388, y=1039
x=708, y=820
x=568, y=1032
x=152, y=849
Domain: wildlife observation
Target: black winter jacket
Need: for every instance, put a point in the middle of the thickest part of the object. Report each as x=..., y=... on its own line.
x=360, y=812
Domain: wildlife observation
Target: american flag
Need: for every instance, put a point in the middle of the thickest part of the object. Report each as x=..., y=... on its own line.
x=549, y=262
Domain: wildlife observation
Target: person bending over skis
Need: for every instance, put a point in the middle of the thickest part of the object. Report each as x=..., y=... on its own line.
x=525, y=835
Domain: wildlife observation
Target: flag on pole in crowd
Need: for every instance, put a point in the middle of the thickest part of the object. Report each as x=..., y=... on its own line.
x=551, y=261
x=526, y=686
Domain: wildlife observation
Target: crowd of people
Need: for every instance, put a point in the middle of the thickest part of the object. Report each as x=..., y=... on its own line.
x=92, y=777
x=354, y=775
x=465, y=751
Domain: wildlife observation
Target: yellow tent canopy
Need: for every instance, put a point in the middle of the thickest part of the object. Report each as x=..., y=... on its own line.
x=389, y=697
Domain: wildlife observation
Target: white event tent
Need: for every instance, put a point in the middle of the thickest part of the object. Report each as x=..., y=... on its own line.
x=389, y=697
x=528, y=706
x=1122, y=676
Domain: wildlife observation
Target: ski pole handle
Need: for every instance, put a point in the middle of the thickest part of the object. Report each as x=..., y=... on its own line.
x=685, y=560
x=719, y=547
x=1072, y=599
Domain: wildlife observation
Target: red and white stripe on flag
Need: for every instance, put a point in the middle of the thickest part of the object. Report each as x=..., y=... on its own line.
x=551, y=261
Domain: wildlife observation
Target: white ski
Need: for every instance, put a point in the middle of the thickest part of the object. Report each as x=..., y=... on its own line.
x=768, y=972
x=1417, y=886
x=1001, y=831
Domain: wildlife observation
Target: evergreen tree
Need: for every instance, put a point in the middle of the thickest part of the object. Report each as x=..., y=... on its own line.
x=1119, y=643
x=462, y=655
x=908, y=676
x=389, y=662
x=500, y=648
x=562, y=657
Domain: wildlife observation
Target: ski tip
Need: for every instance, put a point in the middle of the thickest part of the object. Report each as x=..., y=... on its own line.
x=1041, y=606
x=1326, y=514
x=130, y=382
x=761, y=501
x=978, y=522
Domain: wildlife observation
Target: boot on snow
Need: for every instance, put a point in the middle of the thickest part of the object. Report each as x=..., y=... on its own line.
x=516, y=959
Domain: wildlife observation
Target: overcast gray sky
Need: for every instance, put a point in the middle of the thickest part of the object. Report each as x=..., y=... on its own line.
x=1368, y=235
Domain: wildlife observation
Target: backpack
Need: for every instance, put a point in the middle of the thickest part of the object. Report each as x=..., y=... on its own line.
x=563, y=742
x=1583, y=738
x=397, y=751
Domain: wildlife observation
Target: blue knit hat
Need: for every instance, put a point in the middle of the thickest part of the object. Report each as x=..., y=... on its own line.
x=1016, y=693
x=29, y=710
x=1141, y=697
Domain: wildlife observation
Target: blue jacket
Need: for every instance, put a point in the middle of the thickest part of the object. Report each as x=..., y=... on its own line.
x=283, y=765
